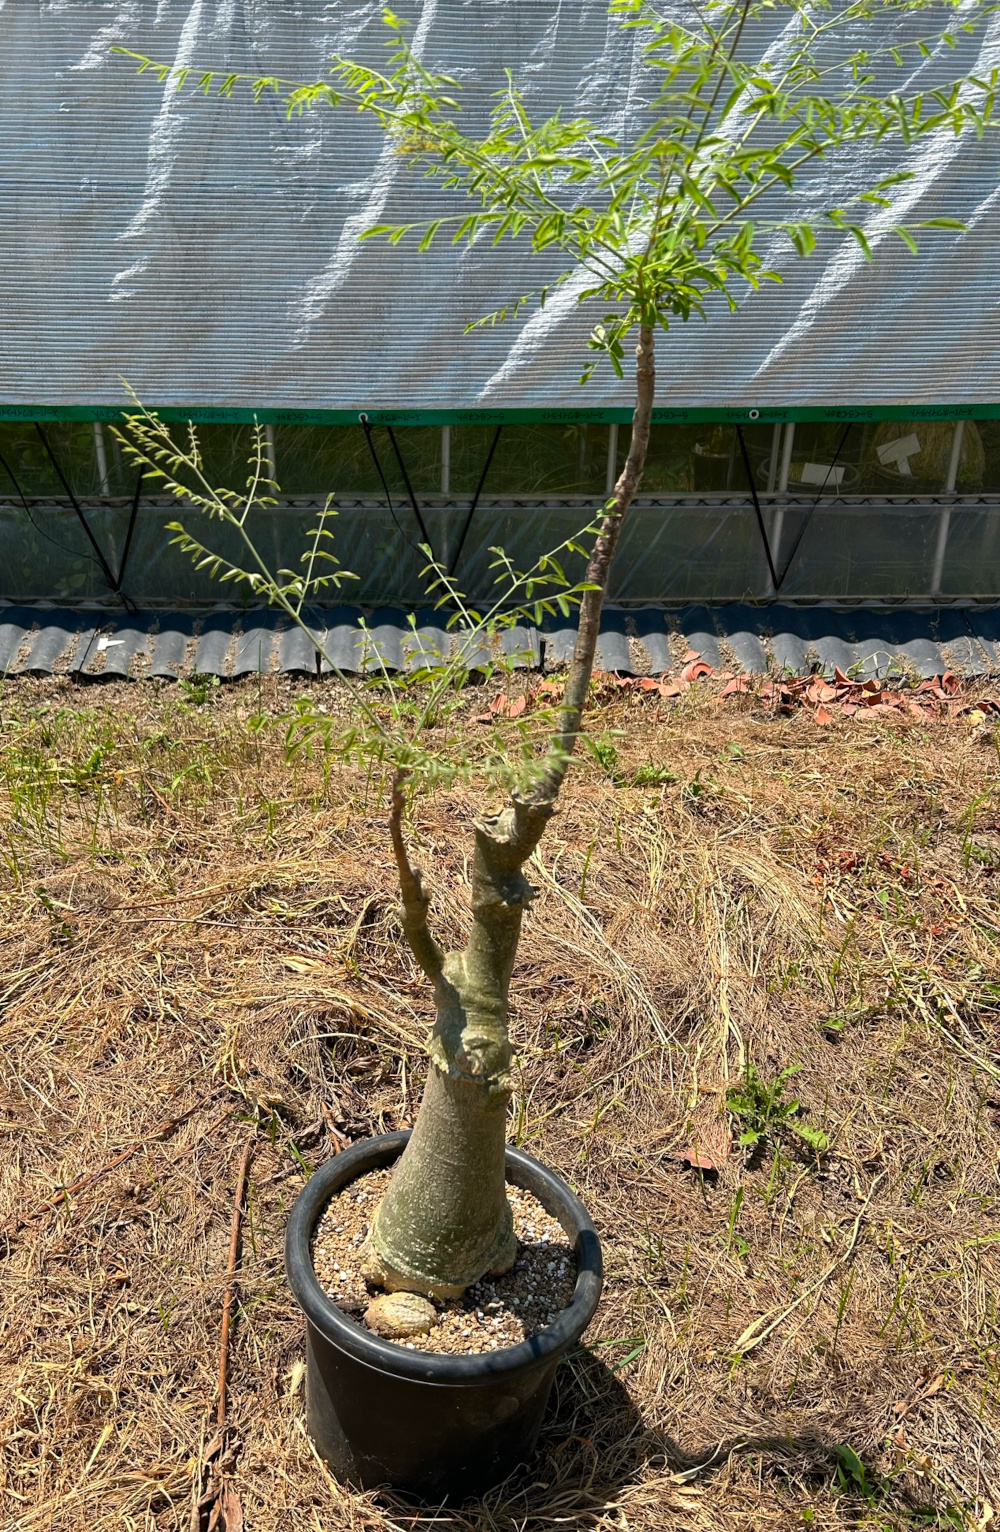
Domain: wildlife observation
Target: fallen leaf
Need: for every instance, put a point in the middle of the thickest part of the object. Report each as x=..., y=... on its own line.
x=508, y=707
x=214, y=1447
x=711, y=1147
x=227, y=1513
x=927, y=1391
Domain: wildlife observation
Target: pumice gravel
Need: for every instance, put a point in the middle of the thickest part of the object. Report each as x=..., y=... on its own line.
x=494, y=1313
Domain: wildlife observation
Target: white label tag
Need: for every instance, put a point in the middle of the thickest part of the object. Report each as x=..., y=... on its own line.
x=822, y=473
x=899, y=452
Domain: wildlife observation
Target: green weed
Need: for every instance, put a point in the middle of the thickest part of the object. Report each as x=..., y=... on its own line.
x=197, y=688
x=761, y=1108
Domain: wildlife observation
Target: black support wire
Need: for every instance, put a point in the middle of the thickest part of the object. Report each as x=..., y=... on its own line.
x=409, y=486
x=72, y=552
x=105, y=566
x=778, y=580
x=131, y=529
x=370, y=439
x=756, y=505
x=475, y=500
x=809, y=514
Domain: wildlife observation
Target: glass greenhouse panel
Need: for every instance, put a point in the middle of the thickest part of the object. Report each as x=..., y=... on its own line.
x=881, y=510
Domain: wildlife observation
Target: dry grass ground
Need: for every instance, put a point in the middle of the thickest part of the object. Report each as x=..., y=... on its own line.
x=198, y=948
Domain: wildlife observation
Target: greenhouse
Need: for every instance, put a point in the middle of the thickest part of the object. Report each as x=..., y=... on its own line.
x=837, y=440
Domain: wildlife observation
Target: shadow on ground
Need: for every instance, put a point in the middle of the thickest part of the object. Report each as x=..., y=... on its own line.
x=596, y=1447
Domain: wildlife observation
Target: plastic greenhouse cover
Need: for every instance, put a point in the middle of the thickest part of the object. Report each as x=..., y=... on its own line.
x=207, y=250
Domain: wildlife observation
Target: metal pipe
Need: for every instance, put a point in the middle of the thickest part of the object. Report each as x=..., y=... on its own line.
x=611, y=478
x=772, y=467
x=446, y=460
x=102, y=458
x=786, y=458
x=944, y=525
x=939, y=552
x=954, y=460
x=271, y=456
x=778, y=524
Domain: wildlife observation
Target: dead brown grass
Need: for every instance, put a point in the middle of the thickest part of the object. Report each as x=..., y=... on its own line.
x=198, y=949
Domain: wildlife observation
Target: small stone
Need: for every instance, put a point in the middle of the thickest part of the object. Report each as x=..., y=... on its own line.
x=395, y=1315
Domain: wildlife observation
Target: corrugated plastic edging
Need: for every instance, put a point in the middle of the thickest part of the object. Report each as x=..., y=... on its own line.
x=868, y=642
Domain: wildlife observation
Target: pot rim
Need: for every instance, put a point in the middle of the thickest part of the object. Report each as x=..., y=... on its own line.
x=430, y=1366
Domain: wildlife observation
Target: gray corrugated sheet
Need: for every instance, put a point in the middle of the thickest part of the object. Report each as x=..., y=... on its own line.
x=208, y=249
x=870, y=641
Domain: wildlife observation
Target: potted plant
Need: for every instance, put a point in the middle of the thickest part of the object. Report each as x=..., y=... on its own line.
x=656, y=228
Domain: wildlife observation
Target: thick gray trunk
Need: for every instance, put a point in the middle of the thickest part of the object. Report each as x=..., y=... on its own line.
x=445, y=1219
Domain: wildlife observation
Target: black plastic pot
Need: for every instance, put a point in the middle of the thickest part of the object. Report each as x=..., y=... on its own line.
x=428, y=1425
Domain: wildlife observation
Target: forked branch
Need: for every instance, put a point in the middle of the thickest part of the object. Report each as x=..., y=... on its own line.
x=416, y=903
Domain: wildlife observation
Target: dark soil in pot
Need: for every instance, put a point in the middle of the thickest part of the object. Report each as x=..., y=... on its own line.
x=430, y=1425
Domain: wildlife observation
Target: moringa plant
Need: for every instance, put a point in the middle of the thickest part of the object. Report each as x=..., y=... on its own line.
x=742, y=100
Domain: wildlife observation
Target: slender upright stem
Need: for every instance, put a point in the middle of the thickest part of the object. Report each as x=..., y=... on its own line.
x=598, y=571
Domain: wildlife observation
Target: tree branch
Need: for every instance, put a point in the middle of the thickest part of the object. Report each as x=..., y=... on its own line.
x=413, y=915
x=578, y=682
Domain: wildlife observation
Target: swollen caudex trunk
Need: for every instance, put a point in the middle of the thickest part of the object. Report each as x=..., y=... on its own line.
x=445, y=1219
